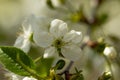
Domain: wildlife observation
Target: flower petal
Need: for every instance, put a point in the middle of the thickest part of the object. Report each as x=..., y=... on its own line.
x=58, y=28
x=23, y=43
x=18, y=42
x=73, y=36
x=40, y=31
x=50, y=52
x=43, y=39
x=27, y=24
x=71, y=52
x=63, y=29
x=41, y=24
x=28, y=78
x=26, y=46
x=37, y=24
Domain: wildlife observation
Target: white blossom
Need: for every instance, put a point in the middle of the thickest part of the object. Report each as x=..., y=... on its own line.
x=28, y=78
x=24, y=40
x=110, y=52
x=58, y=41
x=14, y=77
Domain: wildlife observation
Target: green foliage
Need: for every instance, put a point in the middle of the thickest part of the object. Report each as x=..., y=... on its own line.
x=16, y=60
x=58, y=77
x=19, y=63
x=43, y=67
x=60, y=64
x=78, y=75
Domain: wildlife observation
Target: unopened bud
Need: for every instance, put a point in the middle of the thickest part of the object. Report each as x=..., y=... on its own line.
x=105, y=76
x=110, y=52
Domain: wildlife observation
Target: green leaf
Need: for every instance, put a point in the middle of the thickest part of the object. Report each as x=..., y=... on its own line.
x=16, y=61
x=78, y=75
x=60, y=64
x=44, y=65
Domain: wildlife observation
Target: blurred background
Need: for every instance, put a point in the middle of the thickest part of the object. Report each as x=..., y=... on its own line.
x=94, y=18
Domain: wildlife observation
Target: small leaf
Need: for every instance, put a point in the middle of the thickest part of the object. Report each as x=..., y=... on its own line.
x=78, y=75
x=78, y=72
x=43, y=67
x=16, y=60
x=77, y=78
x=60, y=64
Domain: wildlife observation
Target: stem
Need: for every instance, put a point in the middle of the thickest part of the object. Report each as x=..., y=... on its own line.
x=37, y=59
x=28, y=69
x=70, y=65
x=67, y=74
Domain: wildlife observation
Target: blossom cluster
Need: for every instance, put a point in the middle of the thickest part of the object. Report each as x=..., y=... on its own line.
x=58, y=41
x=61, y=38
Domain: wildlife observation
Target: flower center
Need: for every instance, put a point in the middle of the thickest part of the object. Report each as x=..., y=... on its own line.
x=58, y=43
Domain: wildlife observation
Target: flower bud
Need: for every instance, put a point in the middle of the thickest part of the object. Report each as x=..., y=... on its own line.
x=110, y=52
x=105, y=76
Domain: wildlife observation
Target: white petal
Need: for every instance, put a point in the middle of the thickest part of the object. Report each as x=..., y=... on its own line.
x=110, y=52
x=40, y=32
x=27, y=24
x=23, y=43
x=14, y=77
x=58, y=28
x=28, y=78
x=26, y=46
x=71, y=52
x=37, y=24
x=63, y=29
x=50, y=52
x=41, y=24
x=27, y=27
x=73, y=36
x=27, y=33
x=43, y=39
x=30, y=25
x=19, y=41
